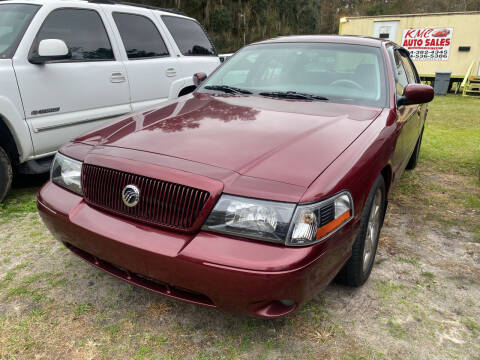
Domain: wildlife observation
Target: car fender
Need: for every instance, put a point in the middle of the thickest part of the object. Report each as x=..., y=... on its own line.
x=18, y=127
x=178, y=85
x=359, y=165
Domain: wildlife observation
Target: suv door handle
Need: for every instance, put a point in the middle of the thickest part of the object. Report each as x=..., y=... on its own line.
x=118, y=77
x=171, y=72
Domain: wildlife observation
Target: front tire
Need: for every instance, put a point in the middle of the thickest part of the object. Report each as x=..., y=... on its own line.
x=358, y=268
x=6, y=174
x=412, y=163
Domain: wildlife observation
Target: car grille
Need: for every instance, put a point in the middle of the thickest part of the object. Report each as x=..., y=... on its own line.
x=161, y=202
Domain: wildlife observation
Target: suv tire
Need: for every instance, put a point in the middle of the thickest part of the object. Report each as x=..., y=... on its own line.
x=6, y=174
x=357, y=269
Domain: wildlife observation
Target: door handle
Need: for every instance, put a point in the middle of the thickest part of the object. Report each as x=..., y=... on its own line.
x=171, y=72
x=118, y=77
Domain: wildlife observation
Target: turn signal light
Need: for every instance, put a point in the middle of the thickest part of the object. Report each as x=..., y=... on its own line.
x=331, y=226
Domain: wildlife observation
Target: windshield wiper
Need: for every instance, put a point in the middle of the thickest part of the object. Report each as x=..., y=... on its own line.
x=228, y=89
x=293, y=95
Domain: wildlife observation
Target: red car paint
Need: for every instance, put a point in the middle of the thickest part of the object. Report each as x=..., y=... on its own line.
x=441, y=33
x=247, y=146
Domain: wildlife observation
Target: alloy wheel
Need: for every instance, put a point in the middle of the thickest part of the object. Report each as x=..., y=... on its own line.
x=373, y=227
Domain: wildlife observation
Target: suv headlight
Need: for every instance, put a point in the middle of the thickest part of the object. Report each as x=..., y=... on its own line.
x=67, y=173
x=283, y=223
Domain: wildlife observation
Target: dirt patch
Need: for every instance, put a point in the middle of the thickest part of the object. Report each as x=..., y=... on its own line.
x=420, y=302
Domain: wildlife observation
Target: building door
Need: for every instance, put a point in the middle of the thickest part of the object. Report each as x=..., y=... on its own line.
x=385, y=29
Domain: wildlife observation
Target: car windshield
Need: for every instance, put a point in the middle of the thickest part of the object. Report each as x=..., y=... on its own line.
x=341, y=73
x=14, y=20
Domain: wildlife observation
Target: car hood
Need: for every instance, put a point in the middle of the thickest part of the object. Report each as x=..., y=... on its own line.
x=281, y=140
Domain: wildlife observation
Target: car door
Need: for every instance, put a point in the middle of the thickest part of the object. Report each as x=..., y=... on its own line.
x=407, y=118
x=65, y=98
x=151, y=66
x=419, y=114
x=198, y=53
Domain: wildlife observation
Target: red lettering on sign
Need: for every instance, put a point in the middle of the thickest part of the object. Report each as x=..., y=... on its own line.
x=428, y=32
x=421, y=33
x=409, y=33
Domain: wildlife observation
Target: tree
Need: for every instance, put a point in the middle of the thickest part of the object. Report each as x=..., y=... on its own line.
x=228, y=21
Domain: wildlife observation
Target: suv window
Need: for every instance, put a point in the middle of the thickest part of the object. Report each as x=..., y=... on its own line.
x=83, y=32
x=402, y=80
x=140, y=36
x=190, y=37
x=412, y=78
x=14, y=20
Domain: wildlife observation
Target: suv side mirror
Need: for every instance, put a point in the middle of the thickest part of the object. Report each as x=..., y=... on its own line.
x=51, y=50
x=198, y=78
x=416, y=94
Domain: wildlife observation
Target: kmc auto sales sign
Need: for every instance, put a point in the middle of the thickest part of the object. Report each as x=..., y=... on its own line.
x=428, y=44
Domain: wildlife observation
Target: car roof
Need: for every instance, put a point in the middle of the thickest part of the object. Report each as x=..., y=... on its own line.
x=342, y=39
x=97, y=2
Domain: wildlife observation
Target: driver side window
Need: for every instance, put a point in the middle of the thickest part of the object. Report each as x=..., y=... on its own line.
x=402, y=80
x=412, y=78
x=83, y=32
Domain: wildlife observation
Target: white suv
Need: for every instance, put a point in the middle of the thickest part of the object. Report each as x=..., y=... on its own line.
x=66, y=66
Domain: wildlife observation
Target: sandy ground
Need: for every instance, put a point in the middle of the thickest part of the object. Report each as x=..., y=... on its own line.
x=421, y=301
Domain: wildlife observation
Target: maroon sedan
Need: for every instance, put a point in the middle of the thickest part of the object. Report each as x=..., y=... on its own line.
x=255, y=191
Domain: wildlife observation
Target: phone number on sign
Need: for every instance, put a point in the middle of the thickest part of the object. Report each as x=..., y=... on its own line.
x=429, y=54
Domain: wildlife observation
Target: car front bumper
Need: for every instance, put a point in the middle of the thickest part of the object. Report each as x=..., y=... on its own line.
x=214, y=270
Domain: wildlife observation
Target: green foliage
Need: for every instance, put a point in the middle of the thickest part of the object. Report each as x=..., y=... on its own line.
x=307, y=17
x=376, y=9
x=228, y=22
x=220, y=21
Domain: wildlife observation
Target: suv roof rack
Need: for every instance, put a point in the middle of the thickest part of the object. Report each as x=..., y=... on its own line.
x=151, y=7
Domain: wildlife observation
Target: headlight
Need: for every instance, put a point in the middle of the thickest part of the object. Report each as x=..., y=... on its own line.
x=313, y=223
x=67, y=173
x=283, y=223
x=251, y=218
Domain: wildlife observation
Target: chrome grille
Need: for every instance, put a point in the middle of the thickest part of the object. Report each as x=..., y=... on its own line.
x=161, y=202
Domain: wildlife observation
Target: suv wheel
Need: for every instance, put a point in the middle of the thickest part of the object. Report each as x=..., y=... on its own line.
x=6, y=174
x=357, y=269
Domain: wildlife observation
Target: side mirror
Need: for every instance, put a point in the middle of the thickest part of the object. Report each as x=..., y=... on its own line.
x=416, y=94
x=198, y=78
x=51, y=50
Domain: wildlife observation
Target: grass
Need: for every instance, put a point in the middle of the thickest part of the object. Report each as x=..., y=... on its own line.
x=396, y=329
x=472, y=325
x=451, y=140
x=389, y=289
x=53, y=303
x=18, y=203
x=428, y=275
x=409, y=260
x=82, y=308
